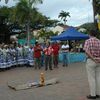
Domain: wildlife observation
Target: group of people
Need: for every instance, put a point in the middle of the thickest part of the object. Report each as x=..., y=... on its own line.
x=12, y=55
x=50, y=54
x=92, y=50
x=47, y=55
x=39, y=55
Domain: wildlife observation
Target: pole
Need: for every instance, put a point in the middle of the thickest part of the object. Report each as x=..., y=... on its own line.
x=28, y=34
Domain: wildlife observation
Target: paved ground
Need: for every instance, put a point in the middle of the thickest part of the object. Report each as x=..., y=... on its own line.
x=73, y=83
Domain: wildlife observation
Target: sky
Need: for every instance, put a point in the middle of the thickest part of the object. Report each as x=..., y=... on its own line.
x=80, y=10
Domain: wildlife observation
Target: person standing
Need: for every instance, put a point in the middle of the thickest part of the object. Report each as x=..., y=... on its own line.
x=37, y=55
x=55, y=47
x=92, y=49
x=30, y=56
x=65, y=50
x=48, y=50
x=20, y=59
x=26, y=54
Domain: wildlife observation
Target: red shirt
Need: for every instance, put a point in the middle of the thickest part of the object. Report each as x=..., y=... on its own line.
x=92, y=45
x=55, y=49
x=37, y=51
x=48, y=50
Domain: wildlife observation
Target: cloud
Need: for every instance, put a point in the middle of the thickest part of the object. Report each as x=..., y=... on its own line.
x=10, y=3
x=80, y=10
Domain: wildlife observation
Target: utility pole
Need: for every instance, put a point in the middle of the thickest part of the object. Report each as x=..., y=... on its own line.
x=28, y=33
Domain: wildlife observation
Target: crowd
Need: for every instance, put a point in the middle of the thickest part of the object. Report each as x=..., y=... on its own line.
x=12, y=55
x=23, y=55
x=49, y=54
x=46, y=54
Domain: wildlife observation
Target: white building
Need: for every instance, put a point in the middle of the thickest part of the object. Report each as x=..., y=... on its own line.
x=59, y=29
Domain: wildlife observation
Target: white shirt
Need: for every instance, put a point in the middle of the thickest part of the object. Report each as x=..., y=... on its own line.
x=65, y=48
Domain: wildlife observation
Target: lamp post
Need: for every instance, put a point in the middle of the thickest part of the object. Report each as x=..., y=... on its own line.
x=28, y=33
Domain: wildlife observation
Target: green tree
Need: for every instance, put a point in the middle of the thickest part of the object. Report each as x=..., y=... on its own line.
x=63, y=15
x=7, y=13
x=44, y=21
x=4, y=28
x=46, y=34
x=25, y=13
x=88, y=26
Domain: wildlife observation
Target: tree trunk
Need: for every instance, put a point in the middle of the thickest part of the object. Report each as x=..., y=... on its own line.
x=28, y=33
x=95, y=13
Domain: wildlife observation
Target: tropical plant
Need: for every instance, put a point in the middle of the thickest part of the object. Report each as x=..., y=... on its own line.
x=26, y=12
x=45, y=34
x=63, y=15
x=7, y=13
x=22, y=36
x=88, y=26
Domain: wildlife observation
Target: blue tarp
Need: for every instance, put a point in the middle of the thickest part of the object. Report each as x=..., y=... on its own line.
x=70, y=34
x=74, y=57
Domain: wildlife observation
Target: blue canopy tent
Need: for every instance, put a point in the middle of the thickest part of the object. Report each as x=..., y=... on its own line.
x=70, y=34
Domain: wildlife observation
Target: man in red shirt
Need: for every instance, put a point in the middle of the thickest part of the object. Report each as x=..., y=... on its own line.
x=37, y=55
x=92, y=49
x=55, y=47
x=48, y=50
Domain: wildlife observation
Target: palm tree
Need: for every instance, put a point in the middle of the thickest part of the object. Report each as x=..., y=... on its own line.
x=63, y=15
x=25, y=13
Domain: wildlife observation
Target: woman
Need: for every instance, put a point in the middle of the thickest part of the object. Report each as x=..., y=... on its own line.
x=48, y=50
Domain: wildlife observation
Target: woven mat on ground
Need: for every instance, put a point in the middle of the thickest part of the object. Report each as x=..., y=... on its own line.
x=22, y=86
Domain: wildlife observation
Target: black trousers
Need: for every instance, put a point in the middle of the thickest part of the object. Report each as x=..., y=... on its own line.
x=55, y=60
x=48, y=62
